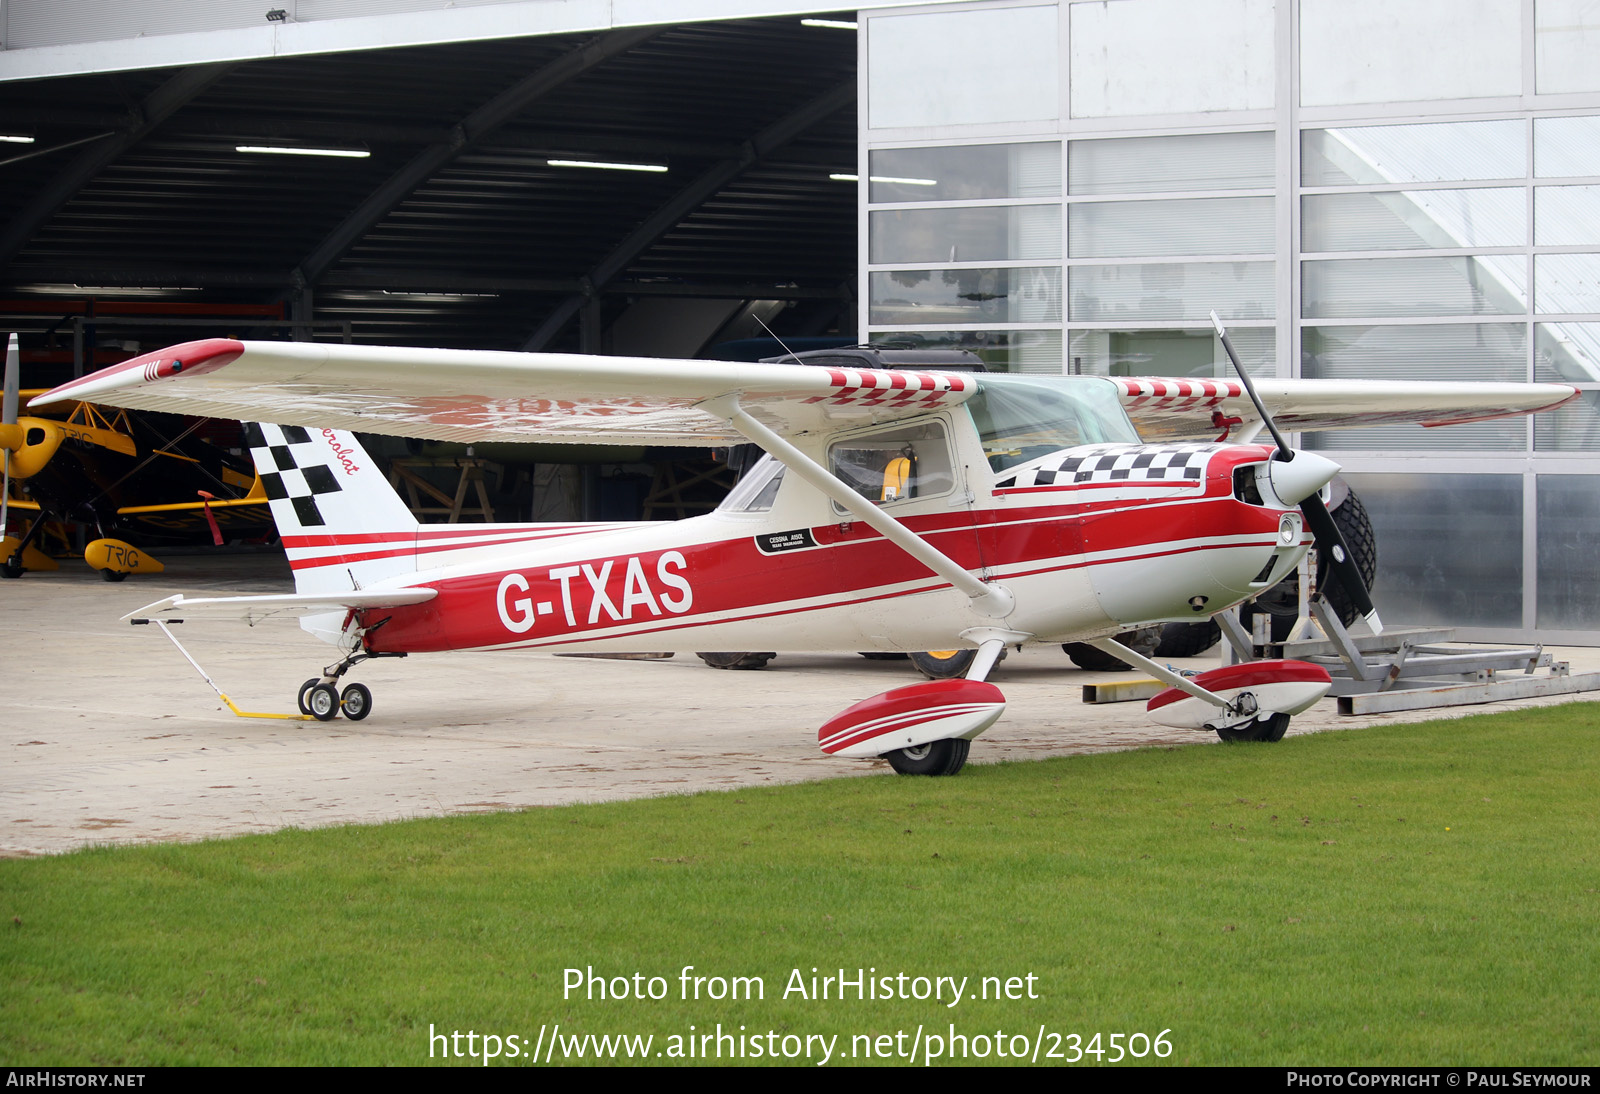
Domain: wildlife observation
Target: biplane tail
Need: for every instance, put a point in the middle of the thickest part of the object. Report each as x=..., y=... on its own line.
x=342, y=524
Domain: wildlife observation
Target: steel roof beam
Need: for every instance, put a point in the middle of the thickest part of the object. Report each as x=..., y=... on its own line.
x=157, y=107
x=20, y=278
x=471, y=130
x=666, y=218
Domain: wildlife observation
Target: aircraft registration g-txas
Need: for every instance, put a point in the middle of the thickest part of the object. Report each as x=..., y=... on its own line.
x=894, y=511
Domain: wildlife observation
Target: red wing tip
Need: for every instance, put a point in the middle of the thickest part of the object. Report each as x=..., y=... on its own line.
x=186, y=358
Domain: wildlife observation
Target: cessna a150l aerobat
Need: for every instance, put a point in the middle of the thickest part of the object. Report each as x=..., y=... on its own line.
x=894, y=511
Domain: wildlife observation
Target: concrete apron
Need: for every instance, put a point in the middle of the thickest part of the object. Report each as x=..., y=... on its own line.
x=111, y=737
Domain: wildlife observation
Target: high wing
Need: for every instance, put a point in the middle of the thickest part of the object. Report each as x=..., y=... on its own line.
x=1172, y=409
x=484, y=395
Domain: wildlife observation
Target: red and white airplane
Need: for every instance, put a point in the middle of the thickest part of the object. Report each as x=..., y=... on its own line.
x=894, y=511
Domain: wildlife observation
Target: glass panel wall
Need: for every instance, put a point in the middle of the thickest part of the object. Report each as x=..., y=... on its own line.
x=955, y=240
x=1568, y=511
x=1470, y=576
x=965, y=173
x=1181, y=351
x=1037, y=351
x=963, y=67
x=1419, y=209
x=1203, y=205
x=977, y=234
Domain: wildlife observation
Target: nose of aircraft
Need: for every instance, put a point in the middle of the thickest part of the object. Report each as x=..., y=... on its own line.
x=1293, y=481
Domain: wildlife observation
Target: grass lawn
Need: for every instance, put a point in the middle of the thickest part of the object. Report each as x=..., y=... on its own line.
x=1421, y=894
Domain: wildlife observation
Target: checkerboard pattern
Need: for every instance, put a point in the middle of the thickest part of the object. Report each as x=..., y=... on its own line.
x=298, y=479
x=1112, y=464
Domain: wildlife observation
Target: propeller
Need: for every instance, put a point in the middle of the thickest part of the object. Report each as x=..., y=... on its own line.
x=1320, y=521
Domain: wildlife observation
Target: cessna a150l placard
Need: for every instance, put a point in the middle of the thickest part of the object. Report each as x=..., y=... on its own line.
x=894, y=511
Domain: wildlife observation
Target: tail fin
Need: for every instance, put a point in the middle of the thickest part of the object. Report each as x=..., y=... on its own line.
x=342, y=524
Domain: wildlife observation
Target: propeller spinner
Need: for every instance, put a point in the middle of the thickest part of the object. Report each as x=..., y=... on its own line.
x=1288, y=484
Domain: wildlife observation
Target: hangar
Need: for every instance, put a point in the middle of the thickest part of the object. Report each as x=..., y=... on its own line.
x=1360, y=188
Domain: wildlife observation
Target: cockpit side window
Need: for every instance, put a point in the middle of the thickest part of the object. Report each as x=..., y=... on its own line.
x=896, y=464
x=757, y=490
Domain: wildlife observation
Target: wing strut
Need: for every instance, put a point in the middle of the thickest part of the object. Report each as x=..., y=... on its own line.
x=990, y=599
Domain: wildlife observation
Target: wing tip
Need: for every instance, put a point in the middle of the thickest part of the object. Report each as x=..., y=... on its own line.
x=186, y=358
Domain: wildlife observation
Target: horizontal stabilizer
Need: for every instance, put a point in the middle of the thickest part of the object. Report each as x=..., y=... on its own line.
x=254, y=608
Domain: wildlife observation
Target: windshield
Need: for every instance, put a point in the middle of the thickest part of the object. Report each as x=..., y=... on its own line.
x=1020, y=418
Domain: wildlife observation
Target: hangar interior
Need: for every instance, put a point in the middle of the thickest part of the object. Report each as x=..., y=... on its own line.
x=642, y=190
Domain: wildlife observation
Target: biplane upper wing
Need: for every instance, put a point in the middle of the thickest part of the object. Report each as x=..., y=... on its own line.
x=483, y=395
x=1164, y=408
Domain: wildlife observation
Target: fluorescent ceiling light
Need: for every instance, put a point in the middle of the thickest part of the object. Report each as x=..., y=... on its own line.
x=604, y=166
x=14, y=139
x=885, y=178
x=284, y=150
x=109, y=290
x=441, y=295
x=835, y=24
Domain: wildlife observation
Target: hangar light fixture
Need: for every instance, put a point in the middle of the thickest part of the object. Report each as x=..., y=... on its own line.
x=834, y=24
x=604, y=166
x=285, y=150
x=58, y=289
x=441, y=295
x=15, y=139
x=885, y=178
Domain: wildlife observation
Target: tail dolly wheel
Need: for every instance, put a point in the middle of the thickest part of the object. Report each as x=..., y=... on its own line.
x=321, y=699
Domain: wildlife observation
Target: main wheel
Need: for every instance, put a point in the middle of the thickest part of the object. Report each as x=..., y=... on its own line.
x=1267, y=730
x=305, y=689
x=736, y=660
x=113, y=575
x=1094, y=659
x=1187, y=639
x=356, y=702
x=934, y=758
x=944, y=664
x=12, y=566
x=323, y=702
x=948, y=664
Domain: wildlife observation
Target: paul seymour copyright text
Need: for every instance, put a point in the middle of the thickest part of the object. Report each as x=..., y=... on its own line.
x=925, y=1044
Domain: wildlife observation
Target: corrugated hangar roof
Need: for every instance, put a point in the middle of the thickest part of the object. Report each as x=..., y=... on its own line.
x=456, y=228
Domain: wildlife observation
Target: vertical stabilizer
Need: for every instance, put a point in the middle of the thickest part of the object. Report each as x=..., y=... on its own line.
x=342, y=524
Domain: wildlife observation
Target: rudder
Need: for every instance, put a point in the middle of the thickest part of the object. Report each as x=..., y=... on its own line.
x=342, y=524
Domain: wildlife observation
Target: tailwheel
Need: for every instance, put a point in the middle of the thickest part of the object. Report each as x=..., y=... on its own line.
x=356, y=702
x=1267, y=729
x=934, y=758
x=322, y=702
